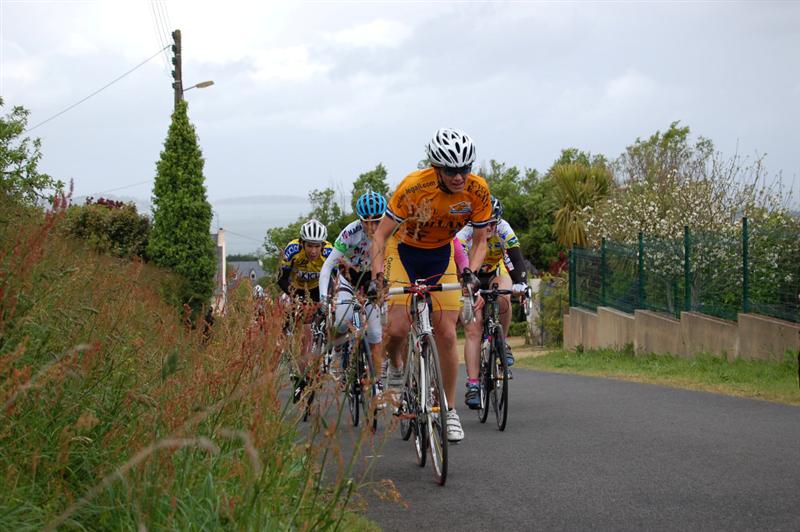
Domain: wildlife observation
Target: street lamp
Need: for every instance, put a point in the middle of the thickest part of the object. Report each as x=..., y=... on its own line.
x=201, y=85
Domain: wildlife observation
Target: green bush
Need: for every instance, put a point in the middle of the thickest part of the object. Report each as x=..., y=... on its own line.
x=554, y=302
x=110, y=228
x=518, y=328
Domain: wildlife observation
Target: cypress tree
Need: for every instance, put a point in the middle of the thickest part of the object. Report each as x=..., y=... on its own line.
x=180, y=239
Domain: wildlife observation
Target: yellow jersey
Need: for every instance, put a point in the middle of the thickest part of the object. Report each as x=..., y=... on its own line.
x=429, y=216
x=304, y=273
x=500, y=240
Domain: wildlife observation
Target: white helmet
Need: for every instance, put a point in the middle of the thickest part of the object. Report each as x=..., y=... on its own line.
x=313, y=232
x=451, y=147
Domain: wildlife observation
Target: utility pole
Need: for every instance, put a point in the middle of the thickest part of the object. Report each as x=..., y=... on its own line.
x=177, y=73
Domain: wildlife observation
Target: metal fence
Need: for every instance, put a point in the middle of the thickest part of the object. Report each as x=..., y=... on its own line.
x=748, y=270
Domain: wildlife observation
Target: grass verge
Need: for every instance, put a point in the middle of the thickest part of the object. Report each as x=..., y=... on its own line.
x=771, y=381
x=118, y=415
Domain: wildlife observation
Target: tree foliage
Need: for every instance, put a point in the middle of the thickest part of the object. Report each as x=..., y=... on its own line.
x=20, y=178
x=110, y=227
x=374, y=180
x=528, y=205
x=577, y=187
x=180, y=238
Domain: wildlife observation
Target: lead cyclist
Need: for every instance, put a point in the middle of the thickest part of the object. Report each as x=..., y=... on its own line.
x=429, y=207
x=351, y=254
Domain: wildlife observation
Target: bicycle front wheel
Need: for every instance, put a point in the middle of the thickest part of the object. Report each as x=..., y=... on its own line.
x=485, y=382
x=502, y=375
x=366, y=384
x=437, y=411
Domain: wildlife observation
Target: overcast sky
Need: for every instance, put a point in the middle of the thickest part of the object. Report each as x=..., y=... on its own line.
x=310, y=94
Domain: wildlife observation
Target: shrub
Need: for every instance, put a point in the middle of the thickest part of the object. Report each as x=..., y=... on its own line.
x=110, y=227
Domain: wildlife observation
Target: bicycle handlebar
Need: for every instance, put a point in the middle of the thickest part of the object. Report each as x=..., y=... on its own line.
x=422, y=288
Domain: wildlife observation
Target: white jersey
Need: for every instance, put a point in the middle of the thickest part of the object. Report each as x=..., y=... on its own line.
x=354, y=245
x=351, y=250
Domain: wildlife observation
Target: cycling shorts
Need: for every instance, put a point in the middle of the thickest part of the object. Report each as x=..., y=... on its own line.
x=486, y=278
x=404, y=263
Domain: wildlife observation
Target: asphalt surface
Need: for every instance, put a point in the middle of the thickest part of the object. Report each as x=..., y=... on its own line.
x=584, y=453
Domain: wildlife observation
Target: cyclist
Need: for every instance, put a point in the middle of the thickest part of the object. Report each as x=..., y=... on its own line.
x=300, y=265
x=503, y=265
x=350, y=254
x=432, y=204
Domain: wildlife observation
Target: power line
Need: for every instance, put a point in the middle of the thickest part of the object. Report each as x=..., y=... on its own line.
x=159, y=36
x=95, y=92
x=123, y=187
x=163, y=27
x=260, y=241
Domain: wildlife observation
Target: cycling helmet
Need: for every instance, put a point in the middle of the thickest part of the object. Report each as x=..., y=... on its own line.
x=451, y=148
x=313, y=232
x=497, y=210
x=371, y=205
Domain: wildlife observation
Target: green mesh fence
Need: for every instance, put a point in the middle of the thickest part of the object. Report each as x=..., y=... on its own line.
x=774, y=269
x=663, y=276
x=752, y=268
x=716, y=274
x=620, y=277
x=586, y=278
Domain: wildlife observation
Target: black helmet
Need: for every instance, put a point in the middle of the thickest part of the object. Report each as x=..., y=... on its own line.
x=497, y=210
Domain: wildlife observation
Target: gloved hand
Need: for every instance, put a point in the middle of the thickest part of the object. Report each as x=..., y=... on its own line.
x=469, y=280
x=520, y=288
x=377, y=287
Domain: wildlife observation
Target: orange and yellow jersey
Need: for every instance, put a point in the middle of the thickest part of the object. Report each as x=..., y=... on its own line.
x=304, y=273
x=431, y=217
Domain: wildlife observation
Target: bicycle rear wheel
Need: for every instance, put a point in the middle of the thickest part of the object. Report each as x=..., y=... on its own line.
x=437, y=411
x=501, y=380
x=408, y=407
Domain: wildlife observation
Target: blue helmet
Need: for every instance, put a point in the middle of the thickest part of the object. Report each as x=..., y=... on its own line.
x=371, y=205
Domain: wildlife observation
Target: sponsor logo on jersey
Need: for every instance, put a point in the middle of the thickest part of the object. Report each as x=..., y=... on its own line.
x=290, y=251
x=462, y=207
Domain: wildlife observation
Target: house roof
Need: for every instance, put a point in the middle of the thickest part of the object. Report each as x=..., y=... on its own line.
x=244, y=267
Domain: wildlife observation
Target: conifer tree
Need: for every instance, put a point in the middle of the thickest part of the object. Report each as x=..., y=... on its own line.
x=180, y=238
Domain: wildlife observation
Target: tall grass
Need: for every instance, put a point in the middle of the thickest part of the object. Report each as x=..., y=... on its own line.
x=117, y=414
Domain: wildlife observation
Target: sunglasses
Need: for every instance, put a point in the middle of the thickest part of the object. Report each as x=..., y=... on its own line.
x=452, y=171
x=371, y=220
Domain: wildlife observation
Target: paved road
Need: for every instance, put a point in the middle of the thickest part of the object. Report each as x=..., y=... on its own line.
x=586, y=453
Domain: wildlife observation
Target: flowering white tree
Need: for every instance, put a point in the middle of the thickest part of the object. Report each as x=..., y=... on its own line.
x=665, y=183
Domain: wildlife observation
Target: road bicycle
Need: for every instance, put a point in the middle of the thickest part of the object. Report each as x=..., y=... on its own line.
x=494, y=374
x=360, y=385
x=423, y=405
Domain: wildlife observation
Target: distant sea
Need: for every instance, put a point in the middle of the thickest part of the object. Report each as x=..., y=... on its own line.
x=245, y=220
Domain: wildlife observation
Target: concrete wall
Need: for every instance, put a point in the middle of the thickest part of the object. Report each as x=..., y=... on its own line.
x=762, y=337
x=615, y=328
x=657, y=333
x=753, y=337
x=583, y=329
x=706, y=334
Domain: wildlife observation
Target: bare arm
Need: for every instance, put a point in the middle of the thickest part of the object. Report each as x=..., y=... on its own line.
x=478, y=250
x=378, y=250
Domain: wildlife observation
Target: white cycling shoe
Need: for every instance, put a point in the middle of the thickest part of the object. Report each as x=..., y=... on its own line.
x=453, y=423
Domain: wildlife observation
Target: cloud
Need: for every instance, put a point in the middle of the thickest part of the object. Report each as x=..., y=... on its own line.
x=285, y=64
x=375, y=34
x=630, y=86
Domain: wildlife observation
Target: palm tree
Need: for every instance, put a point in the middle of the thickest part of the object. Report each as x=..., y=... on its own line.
x=576, y=187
